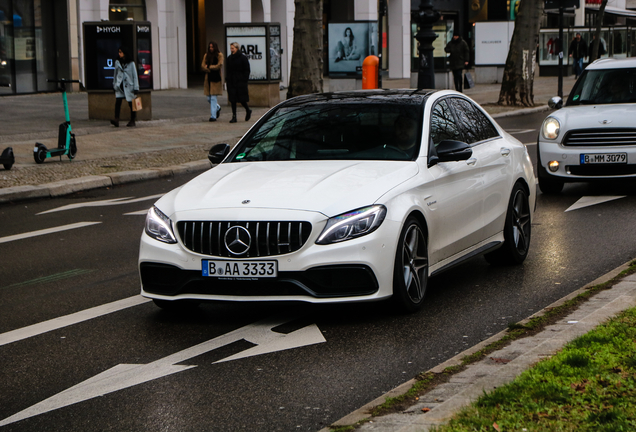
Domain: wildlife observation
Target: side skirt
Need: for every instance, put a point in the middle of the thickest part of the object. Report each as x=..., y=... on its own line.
x=488, y=247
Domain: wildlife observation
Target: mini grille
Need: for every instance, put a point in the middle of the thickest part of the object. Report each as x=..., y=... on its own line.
x=600, y=137
x=267, y=238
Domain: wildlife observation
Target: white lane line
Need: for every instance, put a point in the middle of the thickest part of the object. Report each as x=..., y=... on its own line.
x=515, y=132
x=77, y=317
x=103, y=203
x=137, y=213
x=588, y=201
x=46, y=231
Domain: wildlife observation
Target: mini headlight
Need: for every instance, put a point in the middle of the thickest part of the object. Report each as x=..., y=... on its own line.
x=550, y=128
x=353, y=224
x=159, y=226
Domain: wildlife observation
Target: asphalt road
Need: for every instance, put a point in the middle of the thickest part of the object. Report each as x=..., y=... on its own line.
x=151, y=378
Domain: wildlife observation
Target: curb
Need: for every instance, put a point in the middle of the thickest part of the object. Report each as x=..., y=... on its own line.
x=362, y=413
x=66, y=187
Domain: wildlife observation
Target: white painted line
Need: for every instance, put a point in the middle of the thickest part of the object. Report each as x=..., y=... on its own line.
x=521, y=131
x=46, y=231
x=103, y=203
x=137, y=213
x=588, y=201
x=77, y=317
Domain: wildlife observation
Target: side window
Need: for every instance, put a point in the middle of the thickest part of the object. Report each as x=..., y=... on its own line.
x=486, y=129
x=443, y=126
x=467, y=120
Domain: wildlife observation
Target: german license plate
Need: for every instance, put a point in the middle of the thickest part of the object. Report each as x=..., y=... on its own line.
x=239, y=270
x=604, y=158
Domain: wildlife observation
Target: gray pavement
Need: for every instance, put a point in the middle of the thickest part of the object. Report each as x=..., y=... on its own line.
x=177, y=140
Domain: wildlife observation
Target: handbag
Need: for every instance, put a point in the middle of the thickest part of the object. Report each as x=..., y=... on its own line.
x=136, y=104
x=214, y=76
x=468, y=81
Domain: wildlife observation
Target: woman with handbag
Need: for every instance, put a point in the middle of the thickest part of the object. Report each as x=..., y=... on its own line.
x=125, y=84
x=237, y=75
x=212, y=87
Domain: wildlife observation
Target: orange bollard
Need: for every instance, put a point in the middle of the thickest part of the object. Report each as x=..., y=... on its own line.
x=370, y=67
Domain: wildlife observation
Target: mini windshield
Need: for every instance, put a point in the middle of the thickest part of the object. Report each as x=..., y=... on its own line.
x=335, y=131
x=608, y=86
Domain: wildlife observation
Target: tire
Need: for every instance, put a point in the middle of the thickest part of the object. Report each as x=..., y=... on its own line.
x=176, y=305
x=39, y=156
x=72, y=149
x=517, y=230
x=410, y=272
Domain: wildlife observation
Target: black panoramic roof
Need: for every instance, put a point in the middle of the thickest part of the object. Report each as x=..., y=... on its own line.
x=396, y=96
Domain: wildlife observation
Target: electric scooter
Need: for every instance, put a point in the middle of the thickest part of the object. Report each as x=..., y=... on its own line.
x=65, y=139
x=7, y=159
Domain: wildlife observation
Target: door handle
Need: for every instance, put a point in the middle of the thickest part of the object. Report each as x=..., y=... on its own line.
x=505, y=151
x=471, y=161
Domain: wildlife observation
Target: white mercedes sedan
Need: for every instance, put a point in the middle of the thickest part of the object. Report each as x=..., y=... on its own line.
x=343, y=197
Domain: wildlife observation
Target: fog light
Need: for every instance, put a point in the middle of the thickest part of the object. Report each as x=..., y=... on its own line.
x=553, y=166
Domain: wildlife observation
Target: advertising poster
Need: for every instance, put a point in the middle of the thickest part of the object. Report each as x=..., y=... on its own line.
x=107, y=53
x=349, y=44
x=253, y=44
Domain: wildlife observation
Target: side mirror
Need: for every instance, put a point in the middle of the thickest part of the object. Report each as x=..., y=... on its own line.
x=453, y=151
x=555, y=103
x=217, y=153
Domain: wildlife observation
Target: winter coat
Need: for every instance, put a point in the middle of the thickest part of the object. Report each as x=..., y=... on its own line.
x=459, y=53
x=211, y=87
x=126, y=75
x=237, y=73
x=578, y=49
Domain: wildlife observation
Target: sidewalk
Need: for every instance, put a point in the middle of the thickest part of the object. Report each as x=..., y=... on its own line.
x=176, y=140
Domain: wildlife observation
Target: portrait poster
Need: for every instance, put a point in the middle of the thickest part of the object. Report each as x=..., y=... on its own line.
x=349, y=44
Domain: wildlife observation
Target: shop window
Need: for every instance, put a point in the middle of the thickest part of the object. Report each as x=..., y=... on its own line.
x=123, y=10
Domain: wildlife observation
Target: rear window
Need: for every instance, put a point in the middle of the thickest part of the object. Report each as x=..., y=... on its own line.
x=606, y=86
x=335, y=131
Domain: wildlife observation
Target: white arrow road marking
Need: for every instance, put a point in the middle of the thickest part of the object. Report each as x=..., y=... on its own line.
x=102, y=203
x=46, y=231
x=127, y=375
x=64, y=321
x=588, y=201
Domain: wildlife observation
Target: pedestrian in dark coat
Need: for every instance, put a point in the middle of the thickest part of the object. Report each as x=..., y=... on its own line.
x=237, y=73
x=125, y=84
x=458, y=60
x=578, y=50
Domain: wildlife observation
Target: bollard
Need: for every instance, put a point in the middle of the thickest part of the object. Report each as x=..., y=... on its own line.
x=370, y=69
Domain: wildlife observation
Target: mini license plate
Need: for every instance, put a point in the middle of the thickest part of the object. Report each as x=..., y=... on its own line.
x=239, y=270
x=604, y=158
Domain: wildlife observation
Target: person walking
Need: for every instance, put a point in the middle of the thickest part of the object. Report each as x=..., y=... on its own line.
x=212, y=65
x=578, y=50
x=458, y=59
x=237, y=73
x=125, y=84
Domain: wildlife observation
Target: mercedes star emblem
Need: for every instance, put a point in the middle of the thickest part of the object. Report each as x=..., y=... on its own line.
x=237, y=240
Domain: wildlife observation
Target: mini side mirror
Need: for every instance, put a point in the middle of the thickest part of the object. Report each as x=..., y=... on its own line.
x=453, y=151
x=217, y=153
x=555, y=103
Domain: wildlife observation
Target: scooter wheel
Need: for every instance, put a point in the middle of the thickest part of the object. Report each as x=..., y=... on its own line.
x=72, y=150
x=39, y=156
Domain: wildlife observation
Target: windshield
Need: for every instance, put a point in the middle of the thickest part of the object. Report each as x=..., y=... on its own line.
x=335, y=131
x=609, y=86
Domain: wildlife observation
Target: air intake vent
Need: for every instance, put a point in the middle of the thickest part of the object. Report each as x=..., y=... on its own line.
x=255, y=239
x=600, y=137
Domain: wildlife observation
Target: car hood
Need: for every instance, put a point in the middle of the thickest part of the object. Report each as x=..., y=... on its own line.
x=328, y=187
x=591, y=116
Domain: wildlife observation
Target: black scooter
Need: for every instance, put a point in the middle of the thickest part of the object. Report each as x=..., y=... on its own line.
x=7, y=159
x=65, y=139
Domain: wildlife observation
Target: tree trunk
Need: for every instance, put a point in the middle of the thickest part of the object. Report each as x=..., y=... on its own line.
x=518, y=78
x=305, y=76
x=599, y=22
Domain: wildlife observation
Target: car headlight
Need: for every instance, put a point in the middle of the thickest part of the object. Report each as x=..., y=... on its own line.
x=550, y=128
x=159, y=226
x=353, y=224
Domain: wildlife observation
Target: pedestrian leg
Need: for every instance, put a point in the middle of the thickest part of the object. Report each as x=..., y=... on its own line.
x=248, y=111
x=233, y=112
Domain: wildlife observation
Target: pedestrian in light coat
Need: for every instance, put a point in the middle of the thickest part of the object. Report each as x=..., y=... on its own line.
x=212, y=65
x=237, y=73
x=458, y=59
x=125, y=84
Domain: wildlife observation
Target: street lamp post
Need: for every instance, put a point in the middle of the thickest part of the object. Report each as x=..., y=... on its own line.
x=426, y=17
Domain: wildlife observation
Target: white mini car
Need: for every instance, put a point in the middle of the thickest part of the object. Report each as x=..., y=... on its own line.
x=594, y=135
x=343, y=197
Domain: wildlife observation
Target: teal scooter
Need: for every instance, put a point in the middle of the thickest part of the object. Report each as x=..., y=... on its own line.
x=65, y=139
